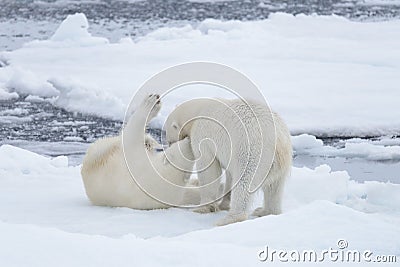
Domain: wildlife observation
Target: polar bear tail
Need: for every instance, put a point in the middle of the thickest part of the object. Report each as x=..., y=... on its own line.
x=99, y=152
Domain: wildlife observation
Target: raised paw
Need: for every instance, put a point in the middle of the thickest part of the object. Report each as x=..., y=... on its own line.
x=207, y=208
x=151, y=105
x=231, y=218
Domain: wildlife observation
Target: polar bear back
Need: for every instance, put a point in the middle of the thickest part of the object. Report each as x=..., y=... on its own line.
x=241, y=134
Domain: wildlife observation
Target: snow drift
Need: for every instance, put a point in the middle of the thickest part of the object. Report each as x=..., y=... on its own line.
x=45, y=218
x=326, y=75
x=378, y=150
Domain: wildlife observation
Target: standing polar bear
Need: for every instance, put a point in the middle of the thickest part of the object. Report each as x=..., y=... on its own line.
x=246, y=139
x=108, y=181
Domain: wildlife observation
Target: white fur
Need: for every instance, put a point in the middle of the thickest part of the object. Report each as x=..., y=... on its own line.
x=238, y=148
x=107, y=179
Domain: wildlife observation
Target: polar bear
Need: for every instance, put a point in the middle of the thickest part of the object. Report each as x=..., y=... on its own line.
x=108, y=181
x=239, y=136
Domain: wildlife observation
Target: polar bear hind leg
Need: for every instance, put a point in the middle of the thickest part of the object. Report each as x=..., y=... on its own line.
x=241, y=198
x=226, y=200
x=272, y=199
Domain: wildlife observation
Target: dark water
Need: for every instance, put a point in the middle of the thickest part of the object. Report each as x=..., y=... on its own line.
x=52, y=131
x=359, y=169
x=25, y=20
x=41, y=121
x=166, y=10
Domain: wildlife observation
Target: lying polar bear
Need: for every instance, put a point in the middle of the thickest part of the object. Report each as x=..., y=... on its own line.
x=107, y=179
x=240, y=138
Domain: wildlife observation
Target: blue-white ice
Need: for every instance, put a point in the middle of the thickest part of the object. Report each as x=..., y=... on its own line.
x=326, y=75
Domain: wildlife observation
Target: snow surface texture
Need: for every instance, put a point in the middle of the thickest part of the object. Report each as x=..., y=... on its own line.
x=383, y=149
x=326, y=75
x=45, y=218
x=379, y=2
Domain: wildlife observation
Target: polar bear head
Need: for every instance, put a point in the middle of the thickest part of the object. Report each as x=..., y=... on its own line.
x=180, y=121
x=176, y=127
x=175, y=131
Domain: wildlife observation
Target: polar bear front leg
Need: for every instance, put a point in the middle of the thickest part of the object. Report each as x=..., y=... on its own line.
x=209, y=181
x=147, y=110
x=153, y=103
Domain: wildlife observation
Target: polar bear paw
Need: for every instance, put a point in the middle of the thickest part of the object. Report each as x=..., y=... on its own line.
x=232, y=218
x=260, y=212
x=207, y=208
x=224, y=205
x=151, y=144
x=151, y=105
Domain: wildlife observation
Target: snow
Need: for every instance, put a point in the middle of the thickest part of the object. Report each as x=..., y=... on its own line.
x=74, y=29
x=372, y=152
x=317, y=184
x=326, y=75
x=27, y=82
x=75, y=98
x=10, y=119
x=73, y=139
x=378, y=2
x=306, y=141
x=34, y=98
x=46, y=217
x=74, y=150
x=4, y=95
x=384, y=149
x=14, y=111
x=32, y=163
